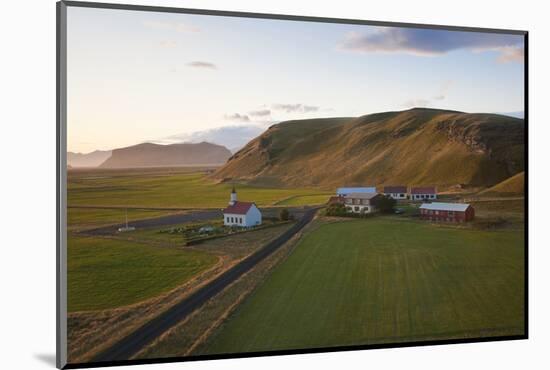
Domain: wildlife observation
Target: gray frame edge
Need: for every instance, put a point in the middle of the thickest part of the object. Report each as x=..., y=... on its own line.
x=61, y=188
x=286, y=17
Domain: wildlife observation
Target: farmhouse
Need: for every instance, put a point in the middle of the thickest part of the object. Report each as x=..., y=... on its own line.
x=361, y=202
x=396, y=192
x=421, y=193
x=364, y=189
x=244, y=214
x=447, y=212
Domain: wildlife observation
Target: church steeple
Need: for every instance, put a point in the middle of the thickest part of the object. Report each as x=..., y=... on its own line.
x=233, y=198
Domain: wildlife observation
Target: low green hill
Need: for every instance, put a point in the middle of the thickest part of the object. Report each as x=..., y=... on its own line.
x=414, y=147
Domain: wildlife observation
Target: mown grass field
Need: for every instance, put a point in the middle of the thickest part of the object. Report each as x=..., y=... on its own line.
x=105, y=273
x=174, y=190
x=78, y=218
x=361, y=282
x=303, y=200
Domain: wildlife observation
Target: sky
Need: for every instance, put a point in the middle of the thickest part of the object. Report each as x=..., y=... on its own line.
x=136, y=76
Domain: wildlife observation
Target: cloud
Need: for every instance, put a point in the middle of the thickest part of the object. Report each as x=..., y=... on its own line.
x=426, y=42
x=167, y=44
x=512, y=54
x=295, y=108
x=200, y=64
x=232, y=137
x=260, y=113
x=443, y=90
x=237, y=117
x=416, y=103
x=171, y=26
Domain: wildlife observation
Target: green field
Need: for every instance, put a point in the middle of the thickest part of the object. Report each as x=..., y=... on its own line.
x=93, y=217
x=303, y=200
x=179, y=190
x=104, y=273
x=361, y=282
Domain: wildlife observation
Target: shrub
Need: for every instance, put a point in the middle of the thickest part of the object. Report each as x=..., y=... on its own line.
x=386, y=204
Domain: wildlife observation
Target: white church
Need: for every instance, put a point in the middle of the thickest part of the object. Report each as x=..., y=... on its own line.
x=244, y=214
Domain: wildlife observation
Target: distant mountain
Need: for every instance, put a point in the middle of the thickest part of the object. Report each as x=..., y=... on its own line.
x=232, y=137
x=92, y=159
x=413, y=147
x=155, y=155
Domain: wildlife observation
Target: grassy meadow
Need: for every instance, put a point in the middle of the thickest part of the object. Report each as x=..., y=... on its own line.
x=171, y=190
x=303, y=200
x=361, y=282
x=86, y=218
x=105, y=273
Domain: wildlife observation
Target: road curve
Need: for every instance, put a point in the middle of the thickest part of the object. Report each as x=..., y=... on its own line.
x=136, y=341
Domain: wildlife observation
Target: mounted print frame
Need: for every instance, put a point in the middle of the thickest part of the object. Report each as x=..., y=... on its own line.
x=236, y=184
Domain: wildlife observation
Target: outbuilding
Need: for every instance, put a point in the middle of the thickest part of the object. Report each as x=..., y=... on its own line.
x=423, y=193
x=447, y=212
x=396, y=192
x=362, y=189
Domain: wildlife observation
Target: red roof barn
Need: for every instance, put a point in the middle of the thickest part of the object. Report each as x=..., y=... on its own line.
x=447, y=212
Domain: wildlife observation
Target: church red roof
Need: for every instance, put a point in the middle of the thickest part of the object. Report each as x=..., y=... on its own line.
x=239, y=208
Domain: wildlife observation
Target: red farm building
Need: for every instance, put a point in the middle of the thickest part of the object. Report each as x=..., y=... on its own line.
x=447, y=212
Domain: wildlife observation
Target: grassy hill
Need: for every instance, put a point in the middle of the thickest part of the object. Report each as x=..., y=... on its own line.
x=511, y=186
x=414, y=147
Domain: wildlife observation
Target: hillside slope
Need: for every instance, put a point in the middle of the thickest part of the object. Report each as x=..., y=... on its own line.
x=153, y=155
x=512, y=186
x=413, y=147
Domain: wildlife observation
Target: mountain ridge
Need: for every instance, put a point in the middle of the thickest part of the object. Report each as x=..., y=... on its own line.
x=420, y=146
x=156, y=155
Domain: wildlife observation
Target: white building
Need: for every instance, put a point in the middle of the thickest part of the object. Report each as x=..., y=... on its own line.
x=396, y=192
x=244, y=214
x=364, y=189
x=361, y=202
x=423, y=193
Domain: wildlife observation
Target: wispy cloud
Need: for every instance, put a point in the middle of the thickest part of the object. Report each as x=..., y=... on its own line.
x=443, y=91
x=237, y=117
x=424, y=102
x=512, y=54
x=295, y=108
x=232, y=137
x=416, y=103
x=201, y=64
x=171, y=26
x=260, y=113
x=167, y=44
x=425, y=42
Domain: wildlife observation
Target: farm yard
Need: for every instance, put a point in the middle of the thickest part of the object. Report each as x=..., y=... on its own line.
x=379, y=286
x=363, y=281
